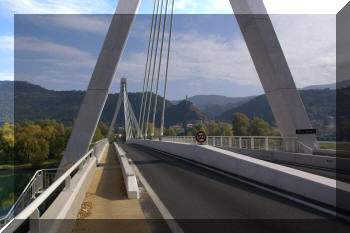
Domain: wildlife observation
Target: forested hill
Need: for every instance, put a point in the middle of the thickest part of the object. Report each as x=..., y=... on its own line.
x=6, y=102
x=319, y=104
x=33, y=102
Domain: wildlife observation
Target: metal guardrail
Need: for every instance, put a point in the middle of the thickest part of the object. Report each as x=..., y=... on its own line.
x=40, y=188
x=40, y=181
x=268, y=143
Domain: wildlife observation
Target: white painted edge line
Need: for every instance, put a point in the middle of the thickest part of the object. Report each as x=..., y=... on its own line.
x=289, y=197
x=174, y=227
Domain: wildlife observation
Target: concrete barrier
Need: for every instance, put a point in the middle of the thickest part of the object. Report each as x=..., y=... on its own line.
x=314, y=187
x=130, y=181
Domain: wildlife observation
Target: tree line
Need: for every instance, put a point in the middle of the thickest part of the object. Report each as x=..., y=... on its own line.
x=36, y=142
x=241, y=126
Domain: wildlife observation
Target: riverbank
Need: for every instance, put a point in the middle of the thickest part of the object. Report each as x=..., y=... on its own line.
x=52, y=163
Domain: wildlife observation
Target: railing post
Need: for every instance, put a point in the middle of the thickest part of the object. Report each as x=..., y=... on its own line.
x=230, y=142
x=214, y=141
x=266, y=143
x=240, y=142
x=221, y=142
x=252, y=143
x=34, y=224
x=81, y=167
x=67, y=183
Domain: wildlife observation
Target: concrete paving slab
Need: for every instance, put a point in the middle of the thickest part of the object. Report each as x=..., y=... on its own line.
x=106, y=207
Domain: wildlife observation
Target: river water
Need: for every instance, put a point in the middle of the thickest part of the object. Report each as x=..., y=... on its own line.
x=11, y=186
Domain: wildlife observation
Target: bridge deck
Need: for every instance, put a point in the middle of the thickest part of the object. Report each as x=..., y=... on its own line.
x=106, y=200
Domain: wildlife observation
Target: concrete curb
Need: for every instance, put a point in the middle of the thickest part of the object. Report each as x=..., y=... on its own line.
x=291, y=180
x=130, y=181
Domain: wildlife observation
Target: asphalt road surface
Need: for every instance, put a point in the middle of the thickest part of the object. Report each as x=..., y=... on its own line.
x=205, y=201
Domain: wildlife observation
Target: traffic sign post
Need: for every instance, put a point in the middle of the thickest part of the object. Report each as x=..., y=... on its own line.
x=201, y=137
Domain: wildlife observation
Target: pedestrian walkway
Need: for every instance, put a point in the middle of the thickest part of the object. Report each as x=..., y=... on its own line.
x=106, y=207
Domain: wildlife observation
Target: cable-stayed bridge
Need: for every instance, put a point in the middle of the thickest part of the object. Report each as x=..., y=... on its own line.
x=177, y=178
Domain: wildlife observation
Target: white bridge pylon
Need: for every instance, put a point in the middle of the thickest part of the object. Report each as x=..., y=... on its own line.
x=132, y=129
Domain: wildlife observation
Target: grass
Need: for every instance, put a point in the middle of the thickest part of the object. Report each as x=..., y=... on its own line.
x=329, y=146
x=335, y=146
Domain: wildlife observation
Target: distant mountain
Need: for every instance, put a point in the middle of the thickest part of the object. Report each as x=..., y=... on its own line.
x=6, y=102
x=33, y=102
x=331, y=86
x=320, y=106
x=183, y=112
x=213, y=105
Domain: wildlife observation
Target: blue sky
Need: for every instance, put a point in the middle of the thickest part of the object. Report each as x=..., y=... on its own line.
x=208, y=52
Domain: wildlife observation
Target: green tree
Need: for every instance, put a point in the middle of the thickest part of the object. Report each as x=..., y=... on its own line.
x=240, y=124
x=170, y=131
x=259, y=127
x=7, y=141
x=214, y=129
x=275, y=132
x=54, y=133
x=31, y=145
x=112, y=138
x=191, y=131
x=98, y=135
x=226, y=130
x=67, y=134
x=201, y=127
x=103, y=128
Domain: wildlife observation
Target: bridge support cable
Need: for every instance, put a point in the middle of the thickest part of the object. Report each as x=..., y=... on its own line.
x=149, y=71
x=166, y=69
x=145, y=75
x=110, y=130
x=159, y=68
x=132, y=129
x=133, y=119
x=153, y=70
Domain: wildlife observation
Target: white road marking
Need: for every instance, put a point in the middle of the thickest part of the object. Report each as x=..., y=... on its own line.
x=174, y=227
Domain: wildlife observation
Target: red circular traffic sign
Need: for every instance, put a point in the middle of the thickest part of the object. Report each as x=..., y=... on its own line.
x=201, y=137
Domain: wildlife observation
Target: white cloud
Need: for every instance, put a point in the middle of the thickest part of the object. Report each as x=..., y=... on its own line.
x=272, y=6
x=307, y=40
x=57, y=6
x=309, y=44
x=77, y=22
x=6, y=42
x=304, y=7
x=51, y=62
x=55, y=53
x=6, y=76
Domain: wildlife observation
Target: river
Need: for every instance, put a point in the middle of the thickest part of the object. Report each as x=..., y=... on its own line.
x=11, y=186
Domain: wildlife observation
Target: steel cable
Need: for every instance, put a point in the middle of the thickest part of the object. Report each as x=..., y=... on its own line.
x=144, y=79
x=154, y=66
x=159, y=68
x=166, y=70
x=149, y=71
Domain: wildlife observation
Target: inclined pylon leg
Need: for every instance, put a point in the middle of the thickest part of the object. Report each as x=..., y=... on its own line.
x=97, y=92
x=272, y=68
